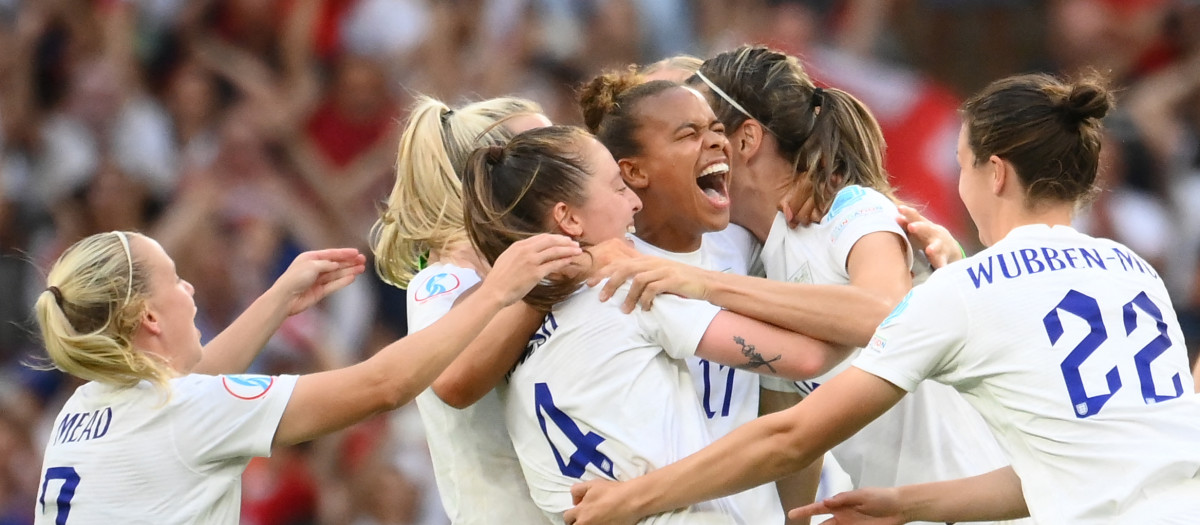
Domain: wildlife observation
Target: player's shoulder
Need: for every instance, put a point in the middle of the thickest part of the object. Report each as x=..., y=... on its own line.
x=203, y=388
x=441, y=280
x=733, y=249
x=858, y=200
x=949, y=279
x=733, y=236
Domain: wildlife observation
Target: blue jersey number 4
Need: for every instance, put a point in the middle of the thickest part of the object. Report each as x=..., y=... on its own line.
x=585, y=444
x=1087, y=308
x=65, y=493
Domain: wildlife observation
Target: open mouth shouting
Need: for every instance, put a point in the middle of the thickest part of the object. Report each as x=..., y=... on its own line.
x=714, y=184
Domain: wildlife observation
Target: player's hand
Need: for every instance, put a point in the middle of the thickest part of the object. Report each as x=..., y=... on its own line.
x=939, y=246
x=611, y=251
x=599, y=502
x=526, y=262
x=595, y=257
x=871, y=506
x=798, y=205
x=314, y=275
x=649, y=276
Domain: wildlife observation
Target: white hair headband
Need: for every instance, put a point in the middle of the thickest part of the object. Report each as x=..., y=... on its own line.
x=129, y=259
x=725, y=96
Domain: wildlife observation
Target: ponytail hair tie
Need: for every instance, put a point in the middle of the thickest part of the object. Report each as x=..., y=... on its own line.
x=58, y=296
x=446, y=115
x=818, y=97
x=495, y=154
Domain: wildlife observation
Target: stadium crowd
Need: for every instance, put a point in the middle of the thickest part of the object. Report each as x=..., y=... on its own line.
x=240, y=133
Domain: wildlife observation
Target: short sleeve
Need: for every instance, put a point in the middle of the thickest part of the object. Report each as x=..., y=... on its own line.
x=857, y=212
x=228, y=416
x=920, y=338
x=434, y=291
x=675, y=323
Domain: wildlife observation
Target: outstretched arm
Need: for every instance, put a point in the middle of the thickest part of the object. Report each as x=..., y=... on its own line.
x=847, y=315
x=800, y=488
x=311, y=277
x=489, y=357
x=328, y=401
x=741, y=342
x=763, y=450
x=992, y=496
x=492, y=355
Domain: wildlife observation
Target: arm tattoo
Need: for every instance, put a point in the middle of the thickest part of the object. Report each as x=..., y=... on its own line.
x=756, y=359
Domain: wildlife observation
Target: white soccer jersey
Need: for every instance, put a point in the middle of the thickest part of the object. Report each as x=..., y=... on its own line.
x=1069, y=347
x=931, y=435
x=135, y=455
x=478, y=476
x=728, y=396
x=604, y=394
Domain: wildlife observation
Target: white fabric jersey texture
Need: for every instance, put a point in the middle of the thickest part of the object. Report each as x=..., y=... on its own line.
x=932, y=435
x=604, y=394
x=133, y=455
x=478, y=476
x=728, y=396
x=1069, y=347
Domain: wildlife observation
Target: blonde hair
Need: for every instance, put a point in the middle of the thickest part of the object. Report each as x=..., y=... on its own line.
x=424, y=211
x=92, y=307
x=685, y=65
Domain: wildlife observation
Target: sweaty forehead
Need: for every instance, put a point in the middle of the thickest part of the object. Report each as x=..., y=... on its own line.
x=674, y=107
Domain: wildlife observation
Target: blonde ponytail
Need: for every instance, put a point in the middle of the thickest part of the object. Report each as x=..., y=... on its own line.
x=424, y=211
x=90, y=311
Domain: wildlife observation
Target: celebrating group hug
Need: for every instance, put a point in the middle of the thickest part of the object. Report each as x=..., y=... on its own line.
x=680, y=314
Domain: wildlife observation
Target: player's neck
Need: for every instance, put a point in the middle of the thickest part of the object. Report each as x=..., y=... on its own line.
x=461, y=254
x=1014, y=216
x=675, y=238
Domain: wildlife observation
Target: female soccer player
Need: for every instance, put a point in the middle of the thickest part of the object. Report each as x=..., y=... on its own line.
x=422, y=227
x=674, y=156
x=823, y=146
x=599, y=392
x=148, y=439
x=1066, y=344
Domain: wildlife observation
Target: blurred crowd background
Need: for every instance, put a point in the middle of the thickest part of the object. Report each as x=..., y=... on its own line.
x=241, y=132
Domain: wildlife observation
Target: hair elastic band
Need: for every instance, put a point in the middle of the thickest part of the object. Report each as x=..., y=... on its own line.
x=446, y=115
x=818, y=97
x=128, y=259
x=724, y=96
x=58, y=297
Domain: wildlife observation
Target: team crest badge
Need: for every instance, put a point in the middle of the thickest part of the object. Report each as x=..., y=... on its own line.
x=440, y=284
x=247, y=386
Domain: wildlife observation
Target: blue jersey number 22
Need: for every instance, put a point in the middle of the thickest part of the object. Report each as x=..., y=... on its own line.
x=1087, y=308
x=70, y=481
x=585, y=444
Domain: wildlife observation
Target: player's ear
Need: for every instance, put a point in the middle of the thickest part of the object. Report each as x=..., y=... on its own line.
x=632, y=174
x=150, y=322
x=747, y=139
x=569, y=222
